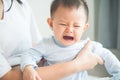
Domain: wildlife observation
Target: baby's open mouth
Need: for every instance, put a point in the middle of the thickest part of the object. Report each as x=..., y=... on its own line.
x=68, y=37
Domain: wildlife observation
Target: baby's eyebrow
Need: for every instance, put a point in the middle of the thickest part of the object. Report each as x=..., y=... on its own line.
x=61, y=20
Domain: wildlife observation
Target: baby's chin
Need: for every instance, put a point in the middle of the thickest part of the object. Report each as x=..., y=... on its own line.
x=68, y=43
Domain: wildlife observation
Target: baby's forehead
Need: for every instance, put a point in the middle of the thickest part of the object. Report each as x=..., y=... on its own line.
x=75, y=11
x=68, y=17
x=81, y=10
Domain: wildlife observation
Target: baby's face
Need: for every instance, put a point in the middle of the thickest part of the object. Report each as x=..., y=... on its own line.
x=68, y=25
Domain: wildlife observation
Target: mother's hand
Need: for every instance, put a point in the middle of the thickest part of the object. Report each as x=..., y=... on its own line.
x=86, y=60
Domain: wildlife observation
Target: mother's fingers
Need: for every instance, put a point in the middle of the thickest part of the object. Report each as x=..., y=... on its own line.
x=87, y=45
x=99, y=59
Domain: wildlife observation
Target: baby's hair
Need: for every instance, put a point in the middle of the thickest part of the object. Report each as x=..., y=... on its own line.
x=69, y=4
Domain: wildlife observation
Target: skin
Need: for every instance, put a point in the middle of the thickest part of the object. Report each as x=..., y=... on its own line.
x=1, y=10
x=61, y=70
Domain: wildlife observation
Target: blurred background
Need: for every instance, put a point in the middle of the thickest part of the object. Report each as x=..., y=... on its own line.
x=104, y=24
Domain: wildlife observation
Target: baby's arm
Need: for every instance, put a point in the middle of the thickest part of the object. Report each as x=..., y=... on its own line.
x=29, y=73
x=28, y=65
x=112, y=64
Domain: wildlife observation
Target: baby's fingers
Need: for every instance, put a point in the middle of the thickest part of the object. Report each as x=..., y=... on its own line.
x=87, y=45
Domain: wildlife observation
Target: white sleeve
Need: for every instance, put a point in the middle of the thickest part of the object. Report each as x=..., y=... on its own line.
x=112, y=64
x=4, y=65
x=30, y=57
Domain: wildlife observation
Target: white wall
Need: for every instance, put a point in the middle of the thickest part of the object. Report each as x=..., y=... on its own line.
x=90, y=32
x=41, y=10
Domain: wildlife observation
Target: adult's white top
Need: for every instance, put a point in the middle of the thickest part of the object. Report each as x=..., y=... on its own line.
x=18, y=30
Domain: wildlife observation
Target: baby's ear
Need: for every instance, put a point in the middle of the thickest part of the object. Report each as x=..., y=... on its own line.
x=50, y=23
x=86, y=26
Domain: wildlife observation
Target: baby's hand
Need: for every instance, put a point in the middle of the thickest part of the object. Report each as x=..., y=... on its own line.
x=29, y=73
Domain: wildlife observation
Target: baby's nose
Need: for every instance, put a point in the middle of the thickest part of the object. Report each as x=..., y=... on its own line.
x=69, y=29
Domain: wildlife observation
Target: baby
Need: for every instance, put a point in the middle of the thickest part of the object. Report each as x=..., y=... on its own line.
x=69, y=20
